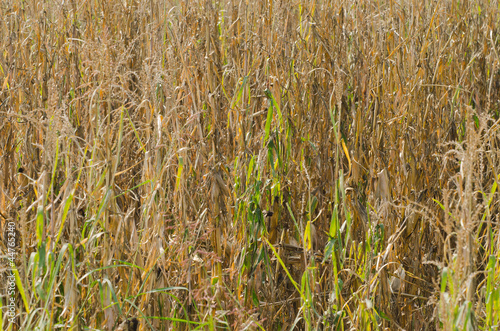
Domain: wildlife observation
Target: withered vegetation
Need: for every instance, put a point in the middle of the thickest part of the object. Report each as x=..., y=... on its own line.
x=251, y=165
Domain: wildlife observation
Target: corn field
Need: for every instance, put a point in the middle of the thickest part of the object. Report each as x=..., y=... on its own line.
x=250, y=165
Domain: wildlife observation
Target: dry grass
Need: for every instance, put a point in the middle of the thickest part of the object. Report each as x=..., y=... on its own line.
x=252, y=165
